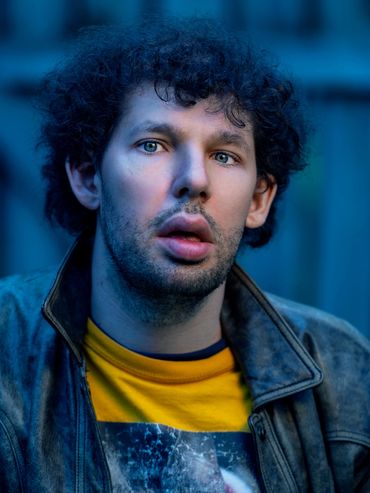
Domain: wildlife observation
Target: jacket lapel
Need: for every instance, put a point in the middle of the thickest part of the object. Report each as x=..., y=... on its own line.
x=67, y=305
x=273, y=360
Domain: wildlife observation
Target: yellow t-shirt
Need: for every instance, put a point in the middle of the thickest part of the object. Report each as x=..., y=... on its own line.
x=202, y=395
x=165, y=425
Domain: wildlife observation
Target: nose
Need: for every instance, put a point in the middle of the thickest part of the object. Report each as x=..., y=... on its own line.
x=191, y=179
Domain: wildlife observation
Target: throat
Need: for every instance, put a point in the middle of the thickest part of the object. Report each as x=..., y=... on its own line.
x=169, y=324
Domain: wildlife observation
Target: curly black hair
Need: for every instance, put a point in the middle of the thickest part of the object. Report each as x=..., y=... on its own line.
x=83, y=98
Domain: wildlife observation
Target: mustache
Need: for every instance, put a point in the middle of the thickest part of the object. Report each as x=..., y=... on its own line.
x=187, y=208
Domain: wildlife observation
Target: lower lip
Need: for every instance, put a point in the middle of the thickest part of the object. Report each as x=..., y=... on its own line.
x=188, y=250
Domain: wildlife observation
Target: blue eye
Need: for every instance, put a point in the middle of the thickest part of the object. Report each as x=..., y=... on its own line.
x=224, y=158
x=149, y=146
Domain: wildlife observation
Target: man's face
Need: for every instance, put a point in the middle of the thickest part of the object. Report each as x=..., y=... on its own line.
x=176, y=188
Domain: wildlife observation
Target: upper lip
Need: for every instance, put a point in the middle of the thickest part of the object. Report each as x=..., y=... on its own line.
x=189, y=223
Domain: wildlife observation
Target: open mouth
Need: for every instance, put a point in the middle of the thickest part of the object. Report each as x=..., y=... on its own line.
x=186, y=238
x=184, y=235
x=187, y=227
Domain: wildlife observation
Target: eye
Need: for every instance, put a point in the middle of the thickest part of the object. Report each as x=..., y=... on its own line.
x=150, y=146
x=225, y=158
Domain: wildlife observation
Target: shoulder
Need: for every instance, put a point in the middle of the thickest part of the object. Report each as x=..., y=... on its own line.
x=343, y=354
x=24, y=290
x=21, y=300
x=28, y=353
x=314, y=326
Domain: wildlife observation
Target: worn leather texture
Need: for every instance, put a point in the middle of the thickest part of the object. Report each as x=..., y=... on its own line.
x=309, y=374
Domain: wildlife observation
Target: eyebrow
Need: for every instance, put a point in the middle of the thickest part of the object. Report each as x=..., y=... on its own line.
x=149, y=126
x=222, y=137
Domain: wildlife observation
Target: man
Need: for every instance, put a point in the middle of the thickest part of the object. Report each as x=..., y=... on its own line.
x=156, y=364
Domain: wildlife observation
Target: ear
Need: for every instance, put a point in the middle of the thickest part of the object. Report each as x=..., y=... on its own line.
x=263, y=196
x=85, y=183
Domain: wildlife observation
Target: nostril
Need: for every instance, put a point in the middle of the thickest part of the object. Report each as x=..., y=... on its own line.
x=183, y=192
x=186, y=192
x=184, y=188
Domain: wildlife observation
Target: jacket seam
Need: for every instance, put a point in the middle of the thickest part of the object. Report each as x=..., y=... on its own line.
x=79, y=440
x=286, y=391
x=14, y=446
x=348, y=436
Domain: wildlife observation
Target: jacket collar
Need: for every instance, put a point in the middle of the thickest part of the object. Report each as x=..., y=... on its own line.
x=67, y=306
x=273, y=360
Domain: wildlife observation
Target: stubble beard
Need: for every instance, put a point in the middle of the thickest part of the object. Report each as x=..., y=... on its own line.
x=160, y=290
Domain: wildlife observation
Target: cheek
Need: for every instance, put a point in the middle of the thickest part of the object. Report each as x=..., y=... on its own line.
x=134, y=194
x=233, y=204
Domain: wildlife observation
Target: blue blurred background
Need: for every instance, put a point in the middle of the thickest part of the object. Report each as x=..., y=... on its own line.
x=320, y=255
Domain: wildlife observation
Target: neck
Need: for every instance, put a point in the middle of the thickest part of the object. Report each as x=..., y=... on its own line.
x=163, y=323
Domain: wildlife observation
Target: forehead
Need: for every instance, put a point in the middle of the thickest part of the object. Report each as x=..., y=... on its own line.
x=144, y=104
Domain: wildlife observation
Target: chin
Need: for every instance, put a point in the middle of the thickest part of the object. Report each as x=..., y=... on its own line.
x=183, y=280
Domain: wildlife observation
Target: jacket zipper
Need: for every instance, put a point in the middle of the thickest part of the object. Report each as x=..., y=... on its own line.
x=84, y=389
x=260, y=432
x=263, y=438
